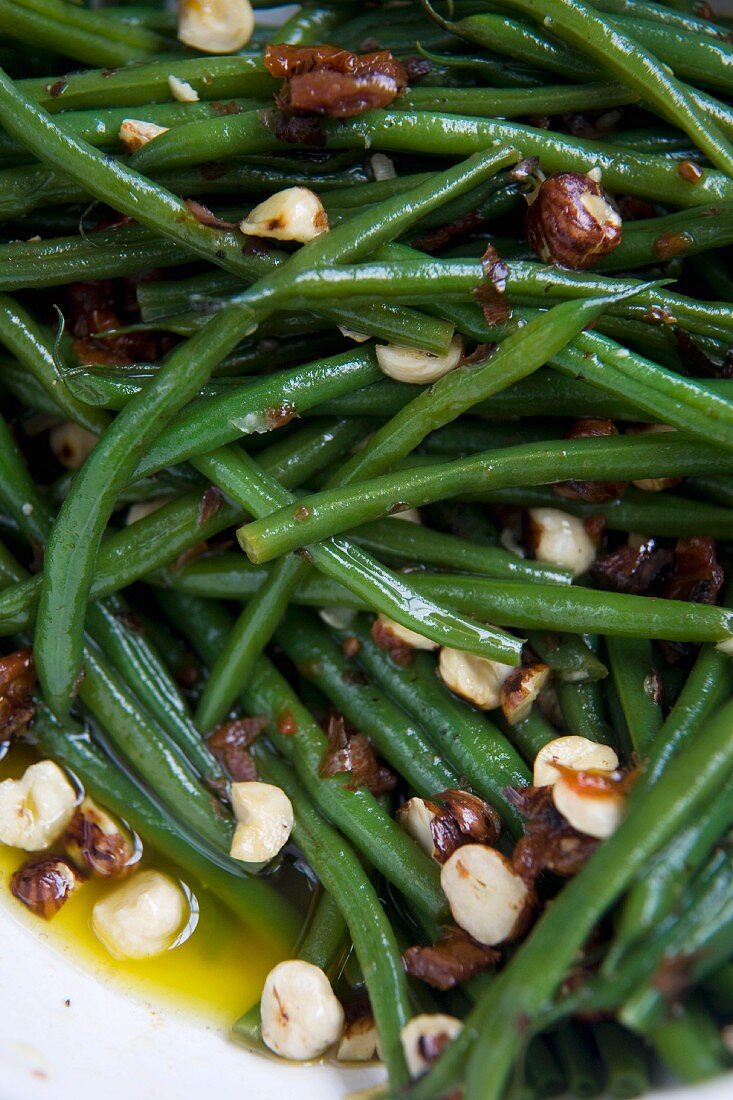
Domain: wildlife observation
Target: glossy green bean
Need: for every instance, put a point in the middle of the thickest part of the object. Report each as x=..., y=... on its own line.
x=639, y=689
x=689, y=1044
x=624, y=1059
x=37, y=29
x=579, y=1061
x=330, y=511
x=571, y=659
x=511, y=102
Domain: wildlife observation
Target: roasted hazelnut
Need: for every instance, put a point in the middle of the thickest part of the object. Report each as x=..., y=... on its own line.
x=571, y=221
x=98, y=844
x=45, y=884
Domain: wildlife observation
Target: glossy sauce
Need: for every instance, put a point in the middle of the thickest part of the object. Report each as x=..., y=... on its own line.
x=218, y=972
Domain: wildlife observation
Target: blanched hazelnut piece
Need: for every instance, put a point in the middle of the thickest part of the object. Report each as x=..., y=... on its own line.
x=134, y=133
x=182, y=90
x=215, y=26
x=652, y=484
x=487, y=898
x=301, y=1015
x=141, y=917
x=35, y=810
x=425, y=1037
x=143, y=508
x=360, y=1040
x=571, y=752
x=402, y=636
x=571, y=221
x=99, y=844
x=561, y=539
x=416, y=817
x=419, y=367
x=410, y=515
x=476, y=679
x=264, y=815
x=295, y=214
x=45, y=884
x=71, y=444
x=520, y=689
x=589, y=801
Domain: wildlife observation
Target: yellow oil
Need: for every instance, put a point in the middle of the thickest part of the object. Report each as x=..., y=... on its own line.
x=217, y=973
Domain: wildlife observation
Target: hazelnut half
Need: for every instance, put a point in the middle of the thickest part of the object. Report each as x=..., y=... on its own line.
x=572, y=222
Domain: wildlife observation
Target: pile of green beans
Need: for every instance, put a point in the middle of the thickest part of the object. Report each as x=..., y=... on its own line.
x=208, y=440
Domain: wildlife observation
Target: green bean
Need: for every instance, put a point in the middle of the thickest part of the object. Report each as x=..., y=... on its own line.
x=530, y=979
x=689, y=1044
x=143, y=84
x=36, y=28
x=136, y=659
x=129, y=554
x=627, y=60
x=578, y=1060
x=718, y=985
x=323, y=514
x=356, y=812
x=469, y=741
x=388, y=592
x=22, y=336
x=376, y=948
x=701, y=58
x=638, y=687
x=404, y=744
x=251, y=899
x=424, y=132
x=311, y=24
x=511, y=102
x=624, y=1060
x=410, y=542
x=571, y=659
x=652, y=240
x=529, y=735
x=666, y=880
x=96, y=22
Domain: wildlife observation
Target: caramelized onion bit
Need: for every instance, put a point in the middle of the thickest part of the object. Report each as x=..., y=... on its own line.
x=632, y=569
x=549, y=842
x=327, y=80
x=455, y=958
x=696, y=574
x=230, y=745
x=349, y=751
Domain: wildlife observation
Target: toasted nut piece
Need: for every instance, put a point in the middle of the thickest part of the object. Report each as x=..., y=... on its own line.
x=360, y=1040
x=570, y=221
x=45, y=884
x=301, y=1015
x=571, y=752
x=416, y=817
x=474, y=678
x=590, y=801
x=99, y=844
x=35, y=810
x=134, y=133
x=215, y=26
x=561, y=539
x=71, y=444
x=383, y=167
x=409, y=365
x=520, y=689
x=141, y=917
x=410, y=515
x=354, y=334
x=295, y=214
x=264, y=815
x=145, y=508
x=487, y=898
x=425, y=1037
x=402, y=635
x=182, y=90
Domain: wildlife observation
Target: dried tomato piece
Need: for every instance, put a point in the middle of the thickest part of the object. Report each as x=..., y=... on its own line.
x=328, y=80
x=455, y=958
x=352, y=752
x=632, y=569
x=696, y=574
x=17, y=681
